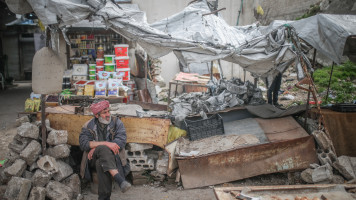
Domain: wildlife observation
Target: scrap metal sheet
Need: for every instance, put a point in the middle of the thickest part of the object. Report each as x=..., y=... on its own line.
x=247, y=162
x=290, y=148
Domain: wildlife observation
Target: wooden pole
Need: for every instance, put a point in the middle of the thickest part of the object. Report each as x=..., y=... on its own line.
x=43, y=122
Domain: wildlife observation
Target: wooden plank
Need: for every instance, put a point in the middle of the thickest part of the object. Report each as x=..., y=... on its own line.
x=147, y=130
x=70, y=122
x=138, y=130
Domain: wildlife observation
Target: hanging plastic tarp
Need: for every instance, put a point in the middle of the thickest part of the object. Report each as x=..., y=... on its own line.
x=195, y=37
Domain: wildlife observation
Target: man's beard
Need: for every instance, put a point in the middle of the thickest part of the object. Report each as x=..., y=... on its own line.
x=104, y=121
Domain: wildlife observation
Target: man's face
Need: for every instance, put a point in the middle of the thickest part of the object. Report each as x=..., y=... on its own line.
x=105, y=114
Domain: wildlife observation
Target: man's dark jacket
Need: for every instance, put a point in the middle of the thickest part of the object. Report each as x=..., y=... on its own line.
x=115, y=133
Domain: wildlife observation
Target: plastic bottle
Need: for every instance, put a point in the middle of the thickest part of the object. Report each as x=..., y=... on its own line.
x=100, y=52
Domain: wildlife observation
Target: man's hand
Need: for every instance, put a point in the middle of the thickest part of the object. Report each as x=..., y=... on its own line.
x=113, y=146
x=90, y=154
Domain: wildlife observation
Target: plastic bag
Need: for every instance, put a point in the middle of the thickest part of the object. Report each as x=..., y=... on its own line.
x=175, y=133
x=100, y=88
x=29, y=105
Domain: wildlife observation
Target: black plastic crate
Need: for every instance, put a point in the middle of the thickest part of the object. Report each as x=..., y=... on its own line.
x=204, y=128
x=344, y=107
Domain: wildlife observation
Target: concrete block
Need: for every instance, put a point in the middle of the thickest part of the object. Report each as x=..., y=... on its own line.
x=321, y=139
x=16, y=169
x=31, y=152
x=28, y=130
x=73, y=182
x=138, y=147
x=344, y=166
x=59, y=151
x=48, y=164
x=56, y=137
x=64, y=170
x=37, y=193
x=12, y=156
x=132, y=154
x=21, y=120
x=58, y=191
x=27, y=175
x=150, y=165
x=162, y=165
x=18, y=188
x=19, y=143
x=322, y=174
x=306, y=175
x=47, y=122
x=137, y=160
x=41, y=178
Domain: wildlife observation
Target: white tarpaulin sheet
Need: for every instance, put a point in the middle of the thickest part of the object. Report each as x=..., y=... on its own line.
x=196, y=38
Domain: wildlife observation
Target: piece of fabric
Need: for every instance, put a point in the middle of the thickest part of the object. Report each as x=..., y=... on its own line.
x=98, y=107
x=272, y=92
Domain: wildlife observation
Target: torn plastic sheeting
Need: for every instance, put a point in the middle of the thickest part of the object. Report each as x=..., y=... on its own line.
x=195, y=38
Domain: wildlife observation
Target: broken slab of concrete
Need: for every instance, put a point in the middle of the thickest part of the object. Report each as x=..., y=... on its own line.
x=56, y=137
x=41, y=178
x=306, y=175
x=322, y=174
x=64, y=170
x=31, y=152
x=16, y=169
x=138, y=147
x=18, y=188
x=37, y=193
x=162, y=165
x=22, y=120
x=19, y=143
x=344, y=165
x=58, y=191
x=33, y=166
x=59, y=151
x=73, y=182
x=48, y=164
x=28, y=130
x=321, y=139
x=12, y=156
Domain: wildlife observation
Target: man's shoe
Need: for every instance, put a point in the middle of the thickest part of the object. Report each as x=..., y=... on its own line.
x=125, y=186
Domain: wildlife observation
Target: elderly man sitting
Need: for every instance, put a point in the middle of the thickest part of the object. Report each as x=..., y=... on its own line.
x=103, y=141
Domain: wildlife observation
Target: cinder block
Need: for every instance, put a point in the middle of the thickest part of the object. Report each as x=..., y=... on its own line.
x=18, y=188
x=31, y=152
x=59, y=151
x=12, y=156
x=58, y=191
x=28, y=130
x=131, y=154
x=138, y=147
x=16, y=169
x=321, y=139
x=19, y=143
x=56, y=137
x=162, y=164
x=306, y=175
x=64, y=170
x=41, y=178
x=137, y=160
x=48, y=164
x=38, y=193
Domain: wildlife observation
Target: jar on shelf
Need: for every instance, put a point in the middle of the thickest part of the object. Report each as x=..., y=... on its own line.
x=100, y=52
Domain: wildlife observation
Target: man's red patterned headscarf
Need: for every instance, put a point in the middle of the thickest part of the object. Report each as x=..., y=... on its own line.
x=98, y=107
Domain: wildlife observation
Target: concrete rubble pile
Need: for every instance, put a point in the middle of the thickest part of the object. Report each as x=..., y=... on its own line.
x=147, y=164
x=27, y=174
x=225, y=93
x=332, y=169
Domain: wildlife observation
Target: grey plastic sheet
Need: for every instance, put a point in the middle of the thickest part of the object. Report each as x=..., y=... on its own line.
x=198, y=38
